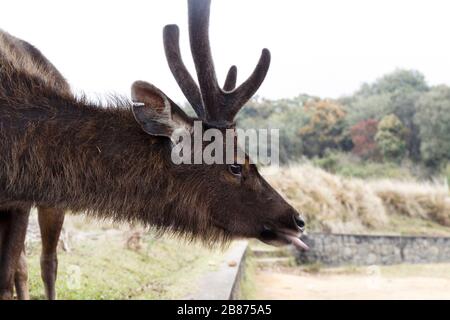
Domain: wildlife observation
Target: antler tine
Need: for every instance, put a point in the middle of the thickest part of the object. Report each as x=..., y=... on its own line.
x=199, y=11
x=171, y=36
x=239, y=97
x=230, y=81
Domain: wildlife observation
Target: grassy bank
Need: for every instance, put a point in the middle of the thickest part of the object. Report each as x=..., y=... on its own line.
x=100, y=266
x=333, y=203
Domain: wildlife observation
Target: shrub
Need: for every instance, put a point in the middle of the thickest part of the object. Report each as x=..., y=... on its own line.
x=447, y=173
x=347, y=165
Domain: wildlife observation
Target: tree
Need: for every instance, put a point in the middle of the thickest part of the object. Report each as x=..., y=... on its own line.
x=405, y=107
x=390, y=138
x=285, y=114
x=433, y=121
x=395, y=93
x=324, y=128
x=369, y=107
x=363, y=137
x=400, y=79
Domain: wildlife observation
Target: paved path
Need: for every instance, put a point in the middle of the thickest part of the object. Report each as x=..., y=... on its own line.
x=276, y=285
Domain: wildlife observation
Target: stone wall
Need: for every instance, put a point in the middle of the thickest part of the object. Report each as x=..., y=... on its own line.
x=341, y=249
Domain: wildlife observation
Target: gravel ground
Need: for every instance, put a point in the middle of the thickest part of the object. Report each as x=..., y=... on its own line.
x=374, y=283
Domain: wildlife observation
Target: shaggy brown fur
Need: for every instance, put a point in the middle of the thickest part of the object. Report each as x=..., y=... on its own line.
x=24, y=56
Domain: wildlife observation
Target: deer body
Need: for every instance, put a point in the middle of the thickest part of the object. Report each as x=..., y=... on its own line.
x=106, y=164
x=25, y=57
x=115, y=161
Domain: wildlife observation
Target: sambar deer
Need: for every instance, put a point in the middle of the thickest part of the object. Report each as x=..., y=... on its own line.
x=29, y=59
x=116, y=161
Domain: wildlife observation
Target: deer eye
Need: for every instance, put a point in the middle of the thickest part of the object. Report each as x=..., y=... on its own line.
x=235, y=169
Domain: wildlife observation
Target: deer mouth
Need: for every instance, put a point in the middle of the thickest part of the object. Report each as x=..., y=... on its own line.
x=283, y=237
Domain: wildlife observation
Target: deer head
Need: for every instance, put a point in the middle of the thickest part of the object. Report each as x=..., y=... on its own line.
x=237, y=199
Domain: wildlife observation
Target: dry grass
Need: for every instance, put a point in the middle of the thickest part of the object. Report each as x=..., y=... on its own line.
x=335, y=204
x=101, y=266
x=418, y=200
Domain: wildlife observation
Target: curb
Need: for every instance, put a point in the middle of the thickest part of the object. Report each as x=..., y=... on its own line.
x=224, y=283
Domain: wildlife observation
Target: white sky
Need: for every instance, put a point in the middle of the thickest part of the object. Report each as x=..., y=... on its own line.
x=321, y=47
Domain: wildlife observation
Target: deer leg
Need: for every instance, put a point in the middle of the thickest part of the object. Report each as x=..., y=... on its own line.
x=4, y=226
x=50, y=222
x=21, y=278
x=14, y=223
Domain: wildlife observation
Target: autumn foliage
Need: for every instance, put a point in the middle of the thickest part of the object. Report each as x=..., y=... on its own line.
x=324, y=127
x=363, y=137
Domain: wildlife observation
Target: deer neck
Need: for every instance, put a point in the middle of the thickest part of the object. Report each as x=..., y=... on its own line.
x=73, y=155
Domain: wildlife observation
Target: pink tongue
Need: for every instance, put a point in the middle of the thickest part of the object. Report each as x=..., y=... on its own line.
x=299, y=244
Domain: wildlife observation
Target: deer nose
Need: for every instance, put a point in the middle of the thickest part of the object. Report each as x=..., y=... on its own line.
x=300, y=222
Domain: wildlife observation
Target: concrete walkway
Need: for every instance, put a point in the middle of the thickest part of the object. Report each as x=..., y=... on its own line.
x=220, y=283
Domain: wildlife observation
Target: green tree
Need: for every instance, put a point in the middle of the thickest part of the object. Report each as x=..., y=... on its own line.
x=287, y=115
x=405, y=107
x=433, y=121
x=363, y=108
x=400, y=79
x=390, y=138
x=395, y=93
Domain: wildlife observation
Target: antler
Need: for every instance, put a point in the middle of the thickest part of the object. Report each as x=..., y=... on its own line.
x=230, y=81
x=215, y=105
x=184, y=79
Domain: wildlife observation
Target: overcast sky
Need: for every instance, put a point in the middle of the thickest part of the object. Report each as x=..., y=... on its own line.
x=321, y=47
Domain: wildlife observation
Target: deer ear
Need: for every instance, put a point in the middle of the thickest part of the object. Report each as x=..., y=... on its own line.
x=155, y=112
